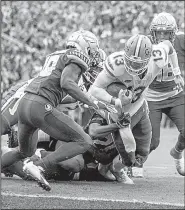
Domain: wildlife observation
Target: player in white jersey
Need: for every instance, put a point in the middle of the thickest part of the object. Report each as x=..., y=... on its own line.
x=163, y=95
x=135, y=67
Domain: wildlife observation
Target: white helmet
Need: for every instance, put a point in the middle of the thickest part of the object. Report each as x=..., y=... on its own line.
x=138, y=49
x=163, y=22
x=87, y=42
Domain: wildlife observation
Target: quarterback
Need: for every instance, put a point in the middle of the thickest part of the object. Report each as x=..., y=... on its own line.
x=135, y=67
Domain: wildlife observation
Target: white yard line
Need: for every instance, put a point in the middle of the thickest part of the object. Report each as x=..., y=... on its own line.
x=89, y=199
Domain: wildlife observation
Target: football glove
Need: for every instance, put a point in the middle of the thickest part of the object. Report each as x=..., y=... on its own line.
x=125, y=96
x=123, y=120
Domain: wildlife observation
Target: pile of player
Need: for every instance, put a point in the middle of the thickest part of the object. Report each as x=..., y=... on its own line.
x=126, y=94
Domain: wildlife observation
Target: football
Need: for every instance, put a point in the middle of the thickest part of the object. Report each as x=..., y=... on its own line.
x=114, y=88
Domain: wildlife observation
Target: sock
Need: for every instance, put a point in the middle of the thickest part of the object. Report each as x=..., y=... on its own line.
x=180, y=145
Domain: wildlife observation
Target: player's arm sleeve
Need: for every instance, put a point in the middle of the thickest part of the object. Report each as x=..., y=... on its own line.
x=68, y=82
x=163, y=53
x=96, y=129
x=98, y=89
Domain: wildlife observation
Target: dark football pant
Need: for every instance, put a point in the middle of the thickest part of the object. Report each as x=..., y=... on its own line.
x=37, y=112
x=174, y=109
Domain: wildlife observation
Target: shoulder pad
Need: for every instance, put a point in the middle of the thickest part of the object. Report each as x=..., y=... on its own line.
x=78, y=57
x=114, y=63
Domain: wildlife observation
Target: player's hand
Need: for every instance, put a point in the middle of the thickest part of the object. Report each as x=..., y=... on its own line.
x=179, y=82
x=118, y=105
x=124, y=120
x=125, y=96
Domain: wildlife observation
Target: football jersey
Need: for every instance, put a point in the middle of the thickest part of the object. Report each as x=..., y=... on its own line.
x=163, y=86
x=105, y=143
x=15, y=92
x=47, y=83
x=114, y=71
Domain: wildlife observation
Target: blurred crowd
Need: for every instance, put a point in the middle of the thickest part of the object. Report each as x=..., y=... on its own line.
x=32, y=29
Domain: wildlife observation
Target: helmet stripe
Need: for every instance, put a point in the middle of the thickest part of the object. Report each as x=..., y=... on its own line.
x=138, y=46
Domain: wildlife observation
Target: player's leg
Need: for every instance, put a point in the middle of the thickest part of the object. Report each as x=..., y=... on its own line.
x=15, y=168
x=62, y=127
x=56, y=124
x=28, y=134
x=142, y=132
x=155, y=115
x=75, y=164
x=176, y=114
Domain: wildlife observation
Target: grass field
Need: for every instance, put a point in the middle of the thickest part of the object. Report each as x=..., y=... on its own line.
x=161, y=188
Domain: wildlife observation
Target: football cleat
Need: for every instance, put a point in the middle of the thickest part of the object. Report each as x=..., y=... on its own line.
x=37, y=173
x=179, y=163
x=105, y=172
x=121, y=176
x=137, y=172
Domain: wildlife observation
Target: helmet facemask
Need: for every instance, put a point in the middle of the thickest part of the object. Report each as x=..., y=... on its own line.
x=166, y=23
x=157, y=40
x=134, y=65
x=137, y=53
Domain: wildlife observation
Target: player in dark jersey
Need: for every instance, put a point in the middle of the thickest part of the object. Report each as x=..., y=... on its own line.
x=37, y=109
x=163, y=95
x=105, y=154
x=11, y=98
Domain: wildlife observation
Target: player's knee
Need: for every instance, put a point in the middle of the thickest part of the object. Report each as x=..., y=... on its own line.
x=182, y=132
x=26, y=154
x=75, y=164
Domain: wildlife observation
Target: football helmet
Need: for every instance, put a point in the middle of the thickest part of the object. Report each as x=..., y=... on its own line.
x=163, y=22
x=87, y=42
x=138, y=49
x=91, y=74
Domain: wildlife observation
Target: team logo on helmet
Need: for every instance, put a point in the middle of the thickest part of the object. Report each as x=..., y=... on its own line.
x=48, y=107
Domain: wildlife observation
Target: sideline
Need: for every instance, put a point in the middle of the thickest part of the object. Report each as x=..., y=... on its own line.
x=89, y=199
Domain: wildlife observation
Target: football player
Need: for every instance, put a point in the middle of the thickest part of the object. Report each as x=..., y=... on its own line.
x=37, y=108
x=103, y=130
x=11, y=98
x=105, y=154
x=64, y=170
x=135, y=67
x=163, y=95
